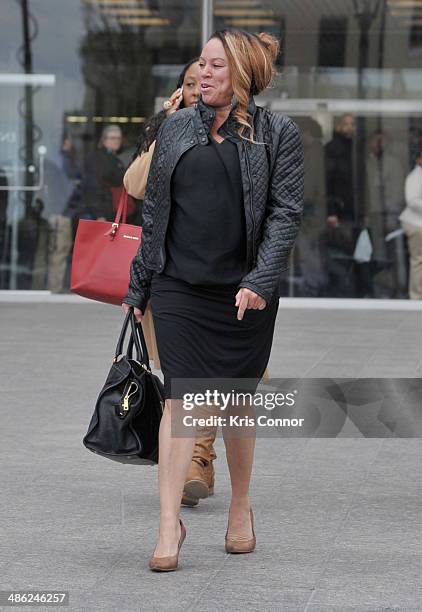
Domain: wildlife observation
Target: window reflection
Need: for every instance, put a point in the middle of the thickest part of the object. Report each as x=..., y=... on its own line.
x=350, y=76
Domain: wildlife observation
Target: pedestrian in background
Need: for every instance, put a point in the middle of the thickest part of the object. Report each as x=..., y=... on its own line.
x=55, y=238
x=103, y=171
x=411, y=220
x=309, y=244
x=385, y=178
x=341, y=233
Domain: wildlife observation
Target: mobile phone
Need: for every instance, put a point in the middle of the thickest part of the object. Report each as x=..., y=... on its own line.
x=173, y=100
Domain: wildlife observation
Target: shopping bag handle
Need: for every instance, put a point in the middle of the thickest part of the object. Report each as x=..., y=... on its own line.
x=121, y=213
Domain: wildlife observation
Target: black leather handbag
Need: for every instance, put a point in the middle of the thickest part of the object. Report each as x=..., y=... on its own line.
x=127, y=415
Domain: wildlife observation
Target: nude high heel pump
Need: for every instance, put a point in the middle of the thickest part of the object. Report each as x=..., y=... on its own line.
x=168, y=564
x=234, y=546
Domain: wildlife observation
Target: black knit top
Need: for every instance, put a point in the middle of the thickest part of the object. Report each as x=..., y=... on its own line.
x=206, y=235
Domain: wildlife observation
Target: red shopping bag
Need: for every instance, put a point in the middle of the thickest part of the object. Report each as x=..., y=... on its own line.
x=102, y=256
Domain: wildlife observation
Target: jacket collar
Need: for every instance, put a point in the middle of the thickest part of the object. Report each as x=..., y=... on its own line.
x=206, y=114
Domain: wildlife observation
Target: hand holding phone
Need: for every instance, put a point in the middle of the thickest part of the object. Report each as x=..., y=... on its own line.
x=173, y=103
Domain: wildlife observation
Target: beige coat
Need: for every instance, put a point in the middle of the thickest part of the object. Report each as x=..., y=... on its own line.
x=136, y=176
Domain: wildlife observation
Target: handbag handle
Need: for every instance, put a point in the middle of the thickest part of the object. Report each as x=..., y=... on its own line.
x=139, y=339
x=129, y=350
x=120, y=342
x=130, y=345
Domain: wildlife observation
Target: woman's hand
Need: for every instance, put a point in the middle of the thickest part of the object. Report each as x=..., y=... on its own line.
x=176, y=98
x=138, y=314
x=247, y=299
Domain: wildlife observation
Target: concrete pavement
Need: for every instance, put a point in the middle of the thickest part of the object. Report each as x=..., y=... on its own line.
x=338, y=521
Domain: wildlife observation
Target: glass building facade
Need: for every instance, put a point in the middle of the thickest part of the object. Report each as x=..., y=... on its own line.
x=350, y=75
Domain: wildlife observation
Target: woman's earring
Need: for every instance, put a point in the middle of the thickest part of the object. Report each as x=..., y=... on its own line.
x=233, y=101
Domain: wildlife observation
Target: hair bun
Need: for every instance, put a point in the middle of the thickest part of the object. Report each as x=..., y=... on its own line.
x=271, y=43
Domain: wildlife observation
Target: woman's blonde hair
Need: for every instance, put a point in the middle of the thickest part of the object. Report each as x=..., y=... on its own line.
x=251, y=59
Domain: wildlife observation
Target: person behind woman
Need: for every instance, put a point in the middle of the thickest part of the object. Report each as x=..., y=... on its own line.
x=200, y=477
x=185, y=96
x=222, y=209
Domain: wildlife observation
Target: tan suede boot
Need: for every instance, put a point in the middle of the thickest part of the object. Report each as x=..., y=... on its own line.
x=200, y=478
x=199, y=481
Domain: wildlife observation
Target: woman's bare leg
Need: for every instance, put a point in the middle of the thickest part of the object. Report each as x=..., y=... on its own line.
x=175, y=456
x=240, y=446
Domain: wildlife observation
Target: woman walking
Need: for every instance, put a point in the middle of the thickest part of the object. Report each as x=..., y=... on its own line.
x=222, y=209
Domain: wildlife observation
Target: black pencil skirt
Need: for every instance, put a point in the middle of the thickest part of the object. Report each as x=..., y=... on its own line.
x=199, y=336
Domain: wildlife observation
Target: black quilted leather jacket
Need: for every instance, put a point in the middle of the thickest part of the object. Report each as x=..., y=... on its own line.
x=272, y=176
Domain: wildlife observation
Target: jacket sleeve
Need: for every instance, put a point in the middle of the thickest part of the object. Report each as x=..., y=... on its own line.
x=140, y=275
x=283, y=214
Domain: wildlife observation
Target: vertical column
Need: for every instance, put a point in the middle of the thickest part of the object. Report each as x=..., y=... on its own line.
x=207, y=20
